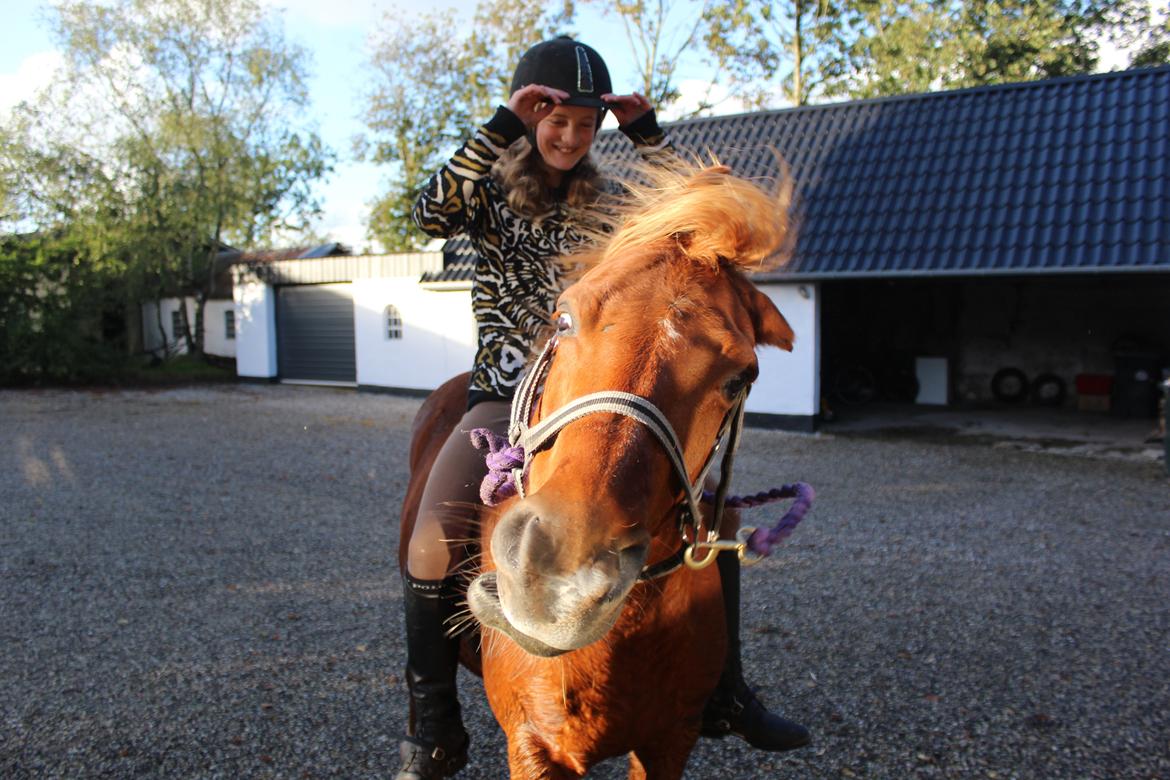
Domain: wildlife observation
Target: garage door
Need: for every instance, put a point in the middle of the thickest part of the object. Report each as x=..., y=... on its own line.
x=314, y=326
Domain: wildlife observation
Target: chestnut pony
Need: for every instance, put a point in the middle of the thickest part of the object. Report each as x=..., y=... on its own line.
x=595, y=642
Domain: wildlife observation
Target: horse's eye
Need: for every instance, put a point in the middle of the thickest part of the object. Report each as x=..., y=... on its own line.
x=738, y=383
x=564, y=322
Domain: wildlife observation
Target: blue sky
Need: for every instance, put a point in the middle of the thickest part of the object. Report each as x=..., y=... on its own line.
x=336, y=33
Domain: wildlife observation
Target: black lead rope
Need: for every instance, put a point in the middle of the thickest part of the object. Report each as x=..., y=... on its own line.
x=726, y=466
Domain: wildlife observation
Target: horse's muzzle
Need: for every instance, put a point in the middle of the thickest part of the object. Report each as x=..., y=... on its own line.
x=560, y=580
x=484, y=599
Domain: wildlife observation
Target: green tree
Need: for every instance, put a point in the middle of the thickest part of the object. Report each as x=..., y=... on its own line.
x=765, y=44
x=1154, y=45
x=660, y=35
x=55, y=312
x=432, y=86
x=896, y=47
x=193, y=112
x=59, y=295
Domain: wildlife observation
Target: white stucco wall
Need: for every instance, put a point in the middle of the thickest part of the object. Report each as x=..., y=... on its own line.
x=789, y=382
x=439, y=337
x=152, y=339
x=438, y=334
x=215, y=341
x=255, y=305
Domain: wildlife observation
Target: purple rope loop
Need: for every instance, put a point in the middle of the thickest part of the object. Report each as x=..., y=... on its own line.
x=501, y=460
x=764, y=539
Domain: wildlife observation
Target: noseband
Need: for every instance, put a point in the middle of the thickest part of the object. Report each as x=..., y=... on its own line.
x=532, y=438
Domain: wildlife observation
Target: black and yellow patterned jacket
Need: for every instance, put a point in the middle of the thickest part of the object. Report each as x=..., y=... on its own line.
x=517, y=279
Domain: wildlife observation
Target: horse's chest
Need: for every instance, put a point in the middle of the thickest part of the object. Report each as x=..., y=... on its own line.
x=650, y=677
x=608, y=711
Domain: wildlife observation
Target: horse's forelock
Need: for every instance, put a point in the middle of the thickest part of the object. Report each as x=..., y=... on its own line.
x=705, y=213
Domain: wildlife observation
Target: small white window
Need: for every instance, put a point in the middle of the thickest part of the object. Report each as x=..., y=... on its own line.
x=229, y=324
x=176, y=324
x=393, y=323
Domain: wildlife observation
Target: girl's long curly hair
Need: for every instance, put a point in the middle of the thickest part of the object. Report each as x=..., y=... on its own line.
x=523, y=179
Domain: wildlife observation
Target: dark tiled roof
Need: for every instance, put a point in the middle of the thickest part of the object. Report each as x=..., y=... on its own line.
x=332, y=249
x=458, y=262
x=1062, y=175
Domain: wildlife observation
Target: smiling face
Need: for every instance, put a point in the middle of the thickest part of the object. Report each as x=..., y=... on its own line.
x=564, y=137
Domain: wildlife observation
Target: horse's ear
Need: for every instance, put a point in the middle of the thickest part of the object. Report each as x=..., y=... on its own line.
x=770, y=325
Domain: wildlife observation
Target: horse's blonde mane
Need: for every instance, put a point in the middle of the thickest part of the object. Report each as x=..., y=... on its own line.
x=713, y=216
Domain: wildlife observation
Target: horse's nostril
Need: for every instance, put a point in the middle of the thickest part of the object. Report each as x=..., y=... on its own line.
x=522, y=543
x=508, y=538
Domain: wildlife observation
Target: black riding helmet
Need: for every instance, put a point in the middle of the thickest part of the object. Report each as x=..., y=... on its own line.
x=568, y=65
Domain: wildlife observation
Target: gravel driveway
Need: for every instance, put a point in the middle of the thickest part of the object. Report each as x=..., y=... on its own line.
x=198, y=583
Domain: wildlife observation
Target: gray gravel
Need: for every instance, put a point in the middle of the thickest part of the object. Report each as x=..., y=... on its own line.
x=198, y=583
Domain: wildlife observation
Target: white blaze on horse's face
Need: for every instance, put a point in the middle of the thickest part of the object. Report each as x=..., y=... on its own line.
x=669, y=332
x=602, y=499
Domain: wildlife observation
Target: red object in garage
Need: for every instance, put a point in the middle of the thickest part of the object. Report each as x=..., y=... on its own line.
x=1094, y=384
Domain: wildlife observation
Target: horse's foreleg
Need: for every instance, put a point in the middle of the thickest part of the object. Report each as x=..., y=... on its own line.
x=663, y=761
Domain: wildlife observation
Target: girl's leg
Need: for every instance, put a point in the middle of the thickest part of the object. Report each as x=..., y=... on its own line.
x=733, y=708
x=436, y=745
x=446, y=524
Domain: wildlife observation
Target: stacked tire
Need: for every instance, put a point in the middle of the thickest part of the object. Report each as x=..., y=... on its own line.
x=1011, y=386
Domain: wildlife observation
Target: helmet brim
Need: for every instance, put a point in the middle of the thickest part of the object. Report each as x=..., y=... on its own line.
x=588, y=102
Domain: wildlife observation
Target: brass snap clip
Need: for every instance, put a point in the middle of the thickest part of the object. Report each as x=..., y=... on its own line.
x=714, y=546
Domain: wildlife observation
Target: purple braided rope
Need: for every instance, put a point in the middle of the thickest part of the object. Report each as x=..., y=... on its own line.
x=755, y=499
x=501, y=459
x=764, y=539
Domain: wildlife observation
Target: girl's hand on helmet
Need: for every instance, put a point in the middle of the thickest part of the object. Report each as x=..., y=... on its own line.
x=626, y=108
x=534, y=102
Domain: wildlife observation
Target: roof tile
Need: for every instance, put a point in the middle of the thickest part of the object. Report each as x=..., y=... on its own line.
x=1067, y=174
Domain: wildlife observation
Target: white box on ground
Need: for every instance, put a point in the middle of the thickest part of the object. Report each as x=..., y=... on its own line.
x=933, y=382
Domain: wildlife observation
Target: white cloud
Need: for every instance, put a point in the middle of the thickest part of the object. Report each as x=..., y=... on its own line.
x=336, y=13
x=698, y=92
x=33, y=74
x=1111, y=56
x=346, y=196
x=363, y=13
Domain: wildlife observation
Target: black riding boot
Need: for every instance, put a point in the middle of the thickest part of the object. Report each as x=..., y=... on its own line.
x=733, y=708
x=436, y=743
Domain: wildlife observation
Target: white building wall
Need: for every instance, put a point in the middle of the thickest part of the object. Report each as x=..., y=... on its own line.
x=438, y=333
x=215, y=340
x=789, y=382
x=152, y=339
x=439, y=338
x=255, y=307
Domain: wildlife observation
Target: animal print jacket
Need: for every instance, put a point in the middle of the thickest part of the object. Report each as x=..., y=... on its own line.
x=517, y=278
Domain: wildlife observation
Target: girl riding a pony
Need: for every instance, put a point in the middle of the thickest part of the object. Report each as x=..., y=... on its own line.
x=525, y=192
